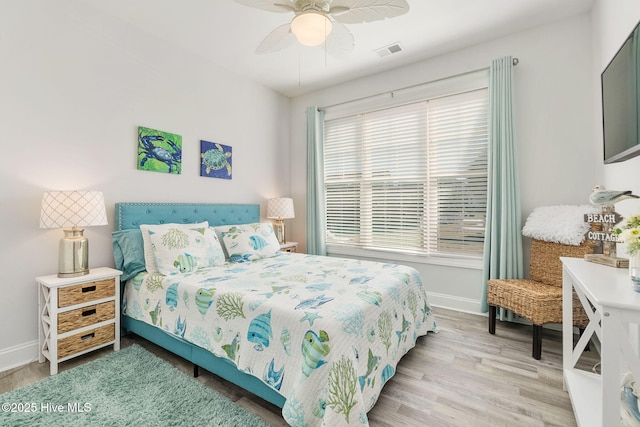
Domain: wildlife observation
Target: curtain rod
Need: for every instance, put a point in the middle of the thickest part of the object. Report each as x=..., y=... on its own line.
x=515, y=61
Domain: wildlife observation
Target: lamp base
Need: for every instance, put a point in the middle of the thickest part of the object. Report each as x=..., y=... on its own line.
x=278, y=228
x=73, y=254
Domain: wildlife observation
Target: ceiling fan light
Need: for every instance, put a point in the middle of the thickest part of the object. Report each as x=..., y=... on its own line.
x=311, y=28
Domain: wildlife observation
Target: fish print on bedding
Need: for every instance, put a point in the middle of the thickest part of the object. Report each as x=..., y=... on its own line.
x=326, y=333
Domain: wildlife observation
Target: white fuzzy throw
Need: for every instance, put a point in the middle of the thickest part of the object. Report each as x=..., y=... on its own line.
x=559, y=224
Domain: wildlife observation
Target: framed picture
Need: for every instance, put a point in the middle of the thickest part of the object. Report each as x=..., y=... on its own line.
x=215, y=160
x=159, y=151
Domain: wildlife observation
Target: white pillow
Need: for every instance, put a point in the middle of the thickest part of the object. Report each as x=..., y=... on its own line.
x=185, y=250
x=149, y=256
x=248, y=242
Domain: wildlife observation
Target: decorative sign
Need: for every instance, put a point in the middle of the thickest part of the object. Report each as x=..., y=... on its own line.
x=605, y=239
x=608, y=220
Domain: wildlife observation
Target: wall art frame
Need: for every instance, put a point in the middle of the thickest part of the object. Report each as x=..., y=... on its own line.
x=159, y=151
x=215, y=160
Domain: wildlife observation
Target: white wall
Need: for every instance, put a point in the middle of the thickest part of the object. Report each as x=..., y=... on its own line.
x=612, y=22
x=74, y=86
x=553, y=115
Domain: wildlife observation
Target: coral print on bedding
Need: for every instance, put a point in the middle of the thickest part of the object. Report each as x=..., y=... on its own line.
x=184, y=250
x=150, y=262
x=326, y=333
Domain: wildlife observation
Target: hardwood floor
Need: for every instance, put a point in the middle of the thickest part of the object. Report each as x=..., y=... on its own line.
x=460, y=376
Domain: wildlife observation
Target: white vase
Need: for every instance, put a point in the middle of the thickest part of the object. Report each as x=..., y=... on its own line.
x=634, y=270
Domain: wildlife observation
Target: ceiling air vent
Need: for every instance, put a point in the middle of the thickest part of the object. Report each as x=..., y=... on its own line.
x=388, y=50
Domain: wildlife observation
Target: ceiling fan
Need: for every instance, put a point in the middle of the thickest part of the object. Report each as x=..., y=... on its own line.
x=317, y=22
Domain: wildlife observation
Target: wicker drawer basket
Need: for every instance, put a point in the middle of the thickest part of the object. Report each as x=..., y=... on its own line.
x=82, y=341
x=86, y=292
x=81, y=317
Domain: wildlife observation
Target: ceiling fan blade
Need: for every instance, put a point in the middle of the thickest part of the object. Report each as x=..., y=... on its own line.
x=357, y=11
x=340, y=42
x=278, y=39
x=270, y=5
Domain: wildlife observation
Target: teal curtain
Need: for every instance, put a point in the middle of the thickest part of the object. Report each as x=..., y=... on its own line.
x=635, y=84
x=316, y=227
x=503, y=238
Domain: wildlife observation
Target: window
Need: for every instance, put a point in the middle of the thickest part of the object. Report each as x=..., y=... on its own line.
x=409, y=178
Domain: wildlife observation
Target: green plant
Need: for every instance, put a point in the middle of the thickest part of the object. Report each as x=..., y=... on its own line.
x=629, y=233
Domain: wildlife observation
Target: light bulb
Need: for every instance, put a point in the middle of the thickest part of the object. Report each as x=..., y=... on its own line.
x=311, y=28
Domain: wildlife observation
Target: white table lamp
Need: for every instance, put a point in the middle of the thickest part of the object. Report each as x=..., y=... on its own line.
x=279, y=209
x=75, y=209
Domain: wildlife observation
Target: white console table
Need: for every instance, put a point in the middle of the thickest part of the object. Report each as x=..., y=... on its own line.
x=613, y=308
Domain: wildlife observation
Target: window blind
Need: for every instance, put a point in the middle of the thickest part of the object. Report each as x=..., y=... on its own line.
x=412, y=177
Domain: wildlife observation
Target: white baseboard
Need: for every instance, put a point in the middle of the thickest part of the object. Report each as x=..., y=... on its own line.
x=18, y=355
x=471, y=306
x=450, y=302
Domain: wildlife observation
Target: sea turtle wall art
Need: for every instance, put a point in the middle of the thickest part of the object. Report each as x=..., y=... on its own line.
x=215, y=160
x=159, y=151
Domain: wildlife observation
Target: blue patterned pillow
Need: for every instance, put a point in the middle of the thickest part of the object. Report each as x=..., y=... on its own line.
x=248, y=242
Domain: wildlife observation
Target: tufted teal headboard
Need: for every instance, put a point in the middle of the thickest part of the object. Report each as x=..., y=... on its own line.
x=131, y=215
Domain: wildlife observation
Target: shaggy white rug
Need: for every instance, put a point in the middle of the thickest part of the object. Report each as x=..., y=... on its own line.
x=559, y=224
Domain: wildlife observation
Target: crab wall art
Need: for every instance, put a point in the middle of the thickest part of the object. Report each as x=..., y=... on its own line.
x=215, y=160
x=159, y=151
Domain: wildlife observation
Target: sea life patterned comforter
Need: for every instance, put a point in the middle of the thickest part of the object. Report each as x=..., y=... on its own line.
x=327, y=333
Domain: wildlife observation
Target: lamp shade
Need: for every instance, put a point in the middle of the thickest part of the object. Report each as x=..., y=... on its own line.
x=311, y=28
x=280, y=208
x=72, y=209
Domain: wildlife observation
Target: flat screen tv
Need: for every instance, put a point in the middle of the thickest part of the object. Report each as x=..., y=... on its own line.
x=620, y=102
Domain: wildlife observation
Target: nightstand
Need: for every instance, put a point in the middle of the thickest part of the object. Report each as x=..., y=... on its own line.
x=289, y=247
x=77, y=315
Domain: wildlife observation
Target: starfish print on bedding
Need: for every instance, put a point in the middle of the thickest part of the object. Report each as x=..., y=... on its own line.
x=310, y=317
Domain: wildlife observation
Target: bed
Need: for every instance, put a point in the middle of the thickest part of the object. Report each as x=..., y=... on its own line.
x=316, y=336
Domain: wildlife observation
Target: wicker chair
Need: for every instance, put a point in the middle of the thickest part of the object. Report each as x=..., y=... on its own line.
x=539, y=299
